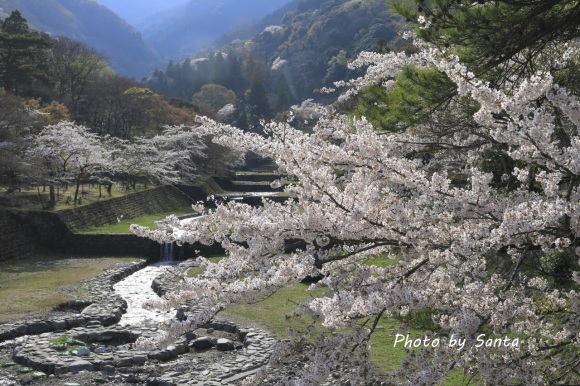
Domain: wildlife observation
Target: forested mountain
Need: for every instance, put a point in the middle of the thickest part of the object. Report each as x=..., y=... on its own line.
x=302, y=47
x=93, y=24
x=317, y=38
x=187, y=28
x=134, y=11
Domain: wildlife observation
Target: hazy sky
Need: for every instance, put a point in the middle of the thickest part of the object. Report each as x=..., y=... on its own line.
x=135, y=10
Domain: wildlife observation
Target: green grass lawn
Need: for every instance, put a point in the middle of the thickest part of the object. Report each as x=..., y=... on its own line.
x=194, y=271
x=33, y=286
x=147, y=220
x=271, y=313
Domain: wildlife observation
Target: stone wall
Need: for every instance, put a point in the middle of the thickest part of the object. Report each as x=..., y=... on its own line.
x=14, y=241
x=206, y=186
x=258, y=177
x=161, y=199
x=22, y=232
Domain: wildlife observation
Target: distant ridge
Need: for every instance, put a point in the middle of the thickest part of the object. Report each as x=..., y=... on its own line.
x=192, y=26
x=135, y=11
x=93, y=24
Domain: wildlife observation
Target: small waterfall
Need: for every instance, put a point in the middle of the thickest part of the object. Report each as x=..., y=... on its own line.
x=167, y=252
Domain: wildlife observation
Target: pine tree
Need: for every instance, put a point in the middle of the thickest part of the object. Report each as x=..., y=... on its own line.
x=23, y=54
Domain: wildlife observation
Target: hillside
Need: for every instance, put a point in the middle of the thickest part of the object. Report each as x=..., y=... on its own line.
x=318, y=37
x=90, y=23
x=134, y=11
x=299, y=48
x=187, y=28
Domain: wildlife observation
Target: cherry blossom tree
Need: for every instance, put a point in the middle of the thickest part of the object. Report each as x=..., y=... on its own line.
x=167, y=158
x=484, y=260
x=68, y=152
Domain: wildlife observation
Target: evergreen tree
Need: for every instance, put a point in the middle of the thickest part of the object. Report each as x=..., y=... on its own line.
x=501, y=41
x=23, y=54
x=240, y=113
x=257, y=100
x=234, y=78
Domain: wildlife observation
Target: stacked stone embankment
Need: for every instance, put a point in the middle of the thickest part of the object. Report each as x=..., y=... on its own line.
x=161, y=199
x=202, y=189
x=14, y=241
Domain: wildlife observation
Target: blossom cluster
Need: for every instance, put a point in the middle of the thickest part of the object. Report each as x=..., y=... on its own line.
x=459, y=245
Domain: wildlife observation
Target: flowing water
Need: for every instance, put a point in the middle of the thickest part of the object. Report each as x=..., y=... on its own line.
x=136, y=290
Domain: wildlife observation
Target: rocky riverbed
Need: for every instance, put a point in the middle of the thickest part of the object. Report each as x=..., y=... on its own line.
x=95, y=345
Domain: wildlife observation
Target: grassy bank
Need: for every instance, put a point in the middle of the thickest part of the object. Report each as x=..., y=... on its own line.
x=271, y=313
x=33, y=286
x=147, y=220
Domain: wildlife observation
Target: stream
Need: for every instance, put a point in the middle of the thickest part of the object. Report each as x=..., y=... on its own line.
x=136, y=290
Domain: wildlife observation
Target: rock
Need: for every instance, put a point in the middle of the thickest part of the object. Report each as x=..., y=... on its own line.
x=225, y=345
x=140, y=359
x=181, y=347
x=162, y=355
x=102, y=350
x=75, y=322
x=39, y=327
x=105, y=337
x=26, y=381
x=132, y=378
x=242, y=333
x=202, y=342
x=80, y=365
x=124, y=362
x=60, y=370
x=58, y=325
x=94, y=324
x=83, y=352
x=38, y=375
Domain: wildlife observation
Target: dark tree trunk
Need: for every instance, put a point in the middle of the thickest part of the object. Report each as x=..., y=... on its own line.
x=52, y=197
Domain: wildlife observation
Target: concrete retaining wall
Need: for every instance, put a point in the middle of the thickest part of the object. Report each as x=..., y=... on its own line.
x=110, y=245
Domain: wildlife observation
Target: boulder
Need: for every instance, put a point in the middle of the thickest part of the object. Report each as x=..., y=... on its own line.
x=225, y=344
